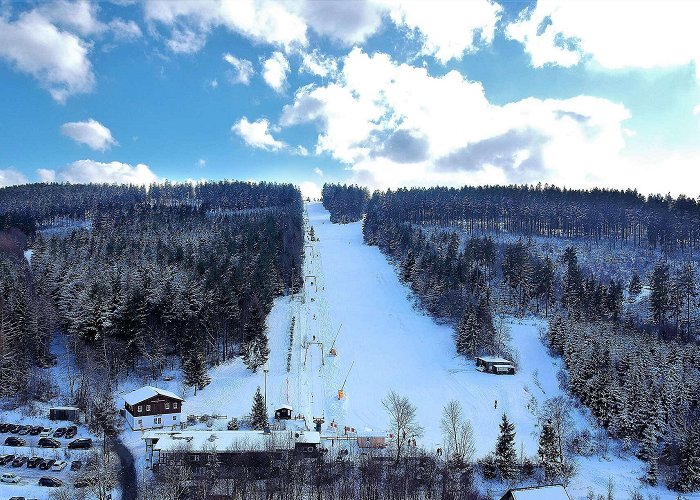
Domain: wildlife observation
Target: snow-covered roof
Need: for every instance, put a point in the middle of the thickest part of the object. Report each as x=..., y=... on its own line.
x=284, y=407
x=72, y=408
x=494, y=359
x=146, y=392
x=221, y=441
x=556, y=492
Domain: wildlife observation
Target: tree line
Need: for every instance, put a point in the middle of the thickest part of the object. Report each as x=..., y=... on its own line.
x=346, y=203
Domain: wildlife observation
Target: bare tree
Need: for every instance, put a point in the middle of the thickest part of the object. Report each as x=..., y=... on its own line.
x=101, y=475
x=459, y=437
x=402, y=416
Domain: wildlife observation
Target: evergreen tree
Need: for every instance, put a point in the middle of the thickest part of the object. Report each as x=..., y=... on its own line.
x=635, y=287
x=506, y=456
x=195, y=370
x=689, y=467
x=258, y=413
x=652, y=473
x=548, y=452
x=467, y=333
x=572, y=286
x=660, y=298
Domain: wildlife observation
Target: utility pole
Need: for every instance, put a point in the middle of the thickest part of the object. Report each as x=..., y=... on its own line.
x=266, y=368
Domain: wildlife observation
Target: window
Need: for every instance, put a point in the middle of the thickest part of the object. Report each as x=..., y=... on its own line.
x=174, y=417
x=157, y=420
x=167, y=406
x=148, y=407
x=174, y=406
x=140, y=421
x=139, y=409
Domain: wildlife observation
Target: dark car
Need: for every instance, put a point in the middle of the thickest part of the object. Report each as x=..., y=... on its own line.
x=3, y=427
x=80, y=444
x=6, y=459
x=19, y=461
x=53, y=482
x=71, y=432
x=76, y=465
x=14, y=429
x=59, y=432
x=33, y=462
x=14, y=441
x=48, y=443
x=46, y=463
x=34, y=431
x=24, y=430
x=81, y=483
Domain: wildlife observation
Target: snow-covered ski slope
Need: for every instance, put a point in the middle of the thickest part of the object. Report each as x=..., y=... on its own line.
x=394, y=346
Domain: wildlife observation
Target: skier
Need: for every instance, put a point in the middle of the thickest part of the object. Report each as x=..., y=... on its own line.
x=495, y=404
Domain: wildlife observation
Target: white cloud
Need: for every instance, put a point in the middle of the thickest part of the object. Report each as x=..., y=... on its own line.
x=186, y=41
x=301, y=151
x=11, y=177
x=613, y=34
x=46, y=175
x=90, y=171
x=214, y=83
x=265, y=21
x=370, y=120
x=80, y=16
x=91, y=132
x=125, y=30
x=447, y=28
x=318, y=172
x=201, y=163
x=243, y=69
x=275, y=71
x=696, y=110
x=316, y=63
x=57, y=59
x=348, y=22
x=310, y=189
x=257, y=134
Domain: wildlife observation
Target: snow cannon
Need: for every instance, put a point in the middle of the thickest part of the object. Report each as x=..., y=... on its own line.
x=332, y=352
x=341, y=393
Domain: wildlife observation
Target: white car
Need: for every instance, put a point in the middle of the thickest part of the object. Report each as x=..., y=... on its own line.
x=59, y=465
x=10, y=477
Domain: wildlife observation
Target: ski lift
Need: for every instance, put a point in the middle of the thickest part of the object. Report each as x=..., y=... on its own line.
x=332, y=351
x=341, y=391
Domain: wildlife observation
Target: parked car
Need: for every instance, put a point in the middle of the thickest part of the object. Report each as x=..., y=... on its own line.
x=46, y=463
x=33, y=462
x=80, y=444
x=14, y=441
x=59, y=465
x=81, y=483
x=52, y=482
x=45, y=432
x=59, y=432
x=10, y=477
x=14, y=428
x=71, y=432
x=76, y=465
x=24, y=430
x=49, y=443
x=34, y=431
x=6, y=459
x=3, y=427
x=19, y=461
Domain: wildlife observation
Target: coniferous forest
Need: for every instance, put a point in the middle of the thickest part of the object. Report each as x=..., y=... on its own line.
x=614, y=272
x=142, y=278
x=345, y=203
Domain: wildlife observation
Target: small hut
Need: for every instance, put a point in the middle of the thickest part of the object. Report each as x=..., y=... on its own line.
x=494, y=364
x=64, y=413
x=284, y=412
x=553, y=492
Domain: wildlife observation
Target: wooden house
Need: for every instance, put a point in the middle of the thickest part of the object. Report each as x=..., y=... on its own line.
x=494, y=364
x=152, y=408
x=70, y=413
x=284, y=412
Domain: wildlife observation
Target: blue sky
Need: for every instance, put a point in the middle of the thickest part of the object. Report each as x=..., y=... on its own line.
x=381, y=93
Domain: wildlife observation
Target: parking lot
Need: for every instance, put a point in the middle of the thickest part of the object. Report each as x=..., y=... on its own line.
x=30, y=475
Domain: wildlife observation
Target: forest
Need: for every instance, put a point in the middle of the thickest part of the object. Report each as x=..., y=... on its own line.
x=345, y=203
x=629, y=341
x=137, y=279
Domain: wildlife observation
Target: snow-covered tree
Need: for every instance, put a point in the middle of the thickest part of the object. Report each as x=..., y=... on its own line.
x=505, y=454
x=258, y=413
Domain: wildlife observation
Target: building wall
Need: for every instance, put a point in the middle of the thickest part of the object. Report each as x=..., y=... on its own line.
x=149, y=421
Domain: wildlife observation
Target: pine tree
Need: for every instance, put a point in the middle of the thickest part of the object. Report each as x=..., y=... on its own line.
x=506, y=456
x=652, y=474
x=258, y=413
x=689, y=467
x=467, y=333
x=572, y=293
x=548, y=452
x=660, y=298
x=635, y=287
x=256, y=352
x=194, y=367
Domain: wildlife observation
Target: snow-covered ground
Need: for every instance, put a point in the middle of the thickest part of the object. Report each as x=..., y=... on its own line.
x=390, y=346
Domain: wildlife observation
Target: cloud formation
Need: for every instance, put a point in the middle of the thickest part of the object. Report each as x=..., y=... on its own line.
x=12, y=177
x=90, y=171
x=257, y=134
x=242, y=69
x=275, y=70
x=91, y=133
x=57, y=59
